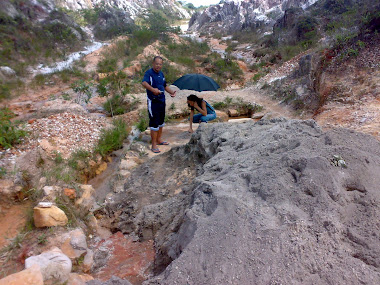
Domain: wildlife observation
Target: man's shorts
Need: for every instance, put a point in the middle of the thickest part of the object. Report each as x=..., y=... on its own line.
x=156, y=110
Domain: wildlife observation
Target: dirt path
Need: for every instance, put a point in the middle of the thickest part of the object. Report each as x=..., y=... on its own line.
x=13, y=218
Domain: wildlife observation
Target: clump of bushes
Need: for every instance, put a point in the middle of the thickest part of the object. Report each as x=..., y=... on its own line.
x=10, y=133
x=241, y=106
x=112, y=139
x=143, y=122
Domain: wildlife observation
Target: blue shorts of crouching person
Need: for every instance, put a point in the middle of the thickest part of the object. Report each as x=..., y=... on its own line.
x=199, y=118
x=211, y=115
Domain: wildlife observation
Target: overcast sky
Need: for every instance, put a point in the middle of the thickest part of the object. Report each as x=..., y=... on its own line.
x=198, y=3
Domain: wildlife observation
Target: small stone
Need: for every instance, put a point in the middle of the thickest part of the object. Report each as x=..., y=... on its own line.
x=51, y=191
x=45, y=204
x=92, y=163
x=233, y=113
x=71, y=193
x=79, y=279
x=86, y=200
x=42, y=182
x=101, y=168
x=92, y=223
x=124, y=173
x=75, y=244
x=258, y=116
x=221, y=116
x=127, y=164
x=88, y=261
x=6, y=187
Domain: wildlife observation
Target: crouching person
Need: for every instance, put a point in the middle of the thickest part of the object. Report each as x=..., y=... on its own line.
x=206, y=111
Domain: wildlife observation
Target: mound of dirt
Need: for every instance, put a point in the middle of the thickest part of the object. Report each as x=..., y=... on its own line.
x=273, y=202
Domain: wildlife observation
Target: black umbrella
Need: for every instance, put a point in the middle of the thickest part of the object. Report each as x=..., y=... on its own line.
x=197, y=82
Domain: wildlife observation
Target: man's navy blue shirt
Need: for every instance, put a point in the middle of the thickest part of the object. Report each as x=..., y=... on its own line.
x=156, y=80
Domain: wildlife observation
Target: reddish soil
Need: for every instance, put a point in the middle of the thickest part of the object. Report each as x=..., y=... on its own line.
x=13, y=218
x=127, y=259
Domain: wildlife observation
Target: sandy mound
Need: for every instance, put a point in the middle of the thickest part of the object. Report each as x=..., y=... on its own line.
x=270, y=204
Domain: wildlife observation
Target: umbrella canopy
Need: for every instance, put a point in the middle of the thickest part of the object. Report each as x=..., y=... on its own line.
x=197, y=82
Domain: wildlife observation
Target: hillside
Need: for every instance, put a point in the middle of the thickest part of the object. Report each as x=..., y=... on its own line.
x=282, y=188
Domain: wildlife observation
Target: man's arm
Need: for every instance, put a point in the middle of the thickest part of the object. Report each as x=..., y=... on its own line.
x=202, y=109
x=155, y=91
x=170, y=91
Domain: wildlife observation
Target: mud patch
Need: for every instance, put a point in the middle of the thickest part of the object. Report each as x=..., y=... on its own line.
x=122, y=257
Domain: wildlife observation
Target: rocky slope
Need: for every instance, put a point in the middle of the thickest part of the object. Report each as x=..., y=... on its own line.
x=232, y=16
x=133, y=7
x=273, y=202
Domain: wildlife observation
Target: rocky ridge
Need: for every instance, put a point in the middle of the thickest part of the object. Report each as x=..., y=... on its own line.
x=133, y=7
x=232, y=16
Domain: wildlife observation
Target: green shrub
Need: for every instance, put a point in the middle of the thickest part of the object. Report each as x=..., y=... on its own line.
x=116, y=105
x=143, y=122
x=219, y=105
x=77, y=156
x=257, y=76
x=58, y=157
x=305, y=27
x=107, y=65
x=352, y=52
x=3, y=172
x=10, y=134
x=227, y=69
x=112, y=139
x=191, y=49
x=5, y=91
x=83, y=89
x=144, y=36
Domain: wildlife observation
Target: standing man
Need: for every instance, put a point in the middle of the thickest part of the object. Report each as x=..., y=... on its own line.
x=155, y=84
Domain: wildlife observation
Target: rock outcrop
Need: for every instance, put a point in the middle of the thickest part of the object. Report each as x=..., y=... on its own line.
x=269, y=205
x=232, y=16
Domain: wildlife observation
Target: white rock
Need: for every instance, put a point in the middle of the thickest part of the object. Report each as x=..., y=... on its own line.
x=51, y=191
x=54, y=265
x=127, y=164
x=7, y=71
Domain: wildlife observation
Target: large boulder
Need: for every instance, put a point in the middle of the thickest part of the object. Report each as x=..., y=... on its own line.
x=55, y=266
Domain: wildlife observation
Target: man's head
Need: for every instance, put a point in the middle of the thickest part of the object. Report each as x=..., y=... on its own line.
x=157, y=63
